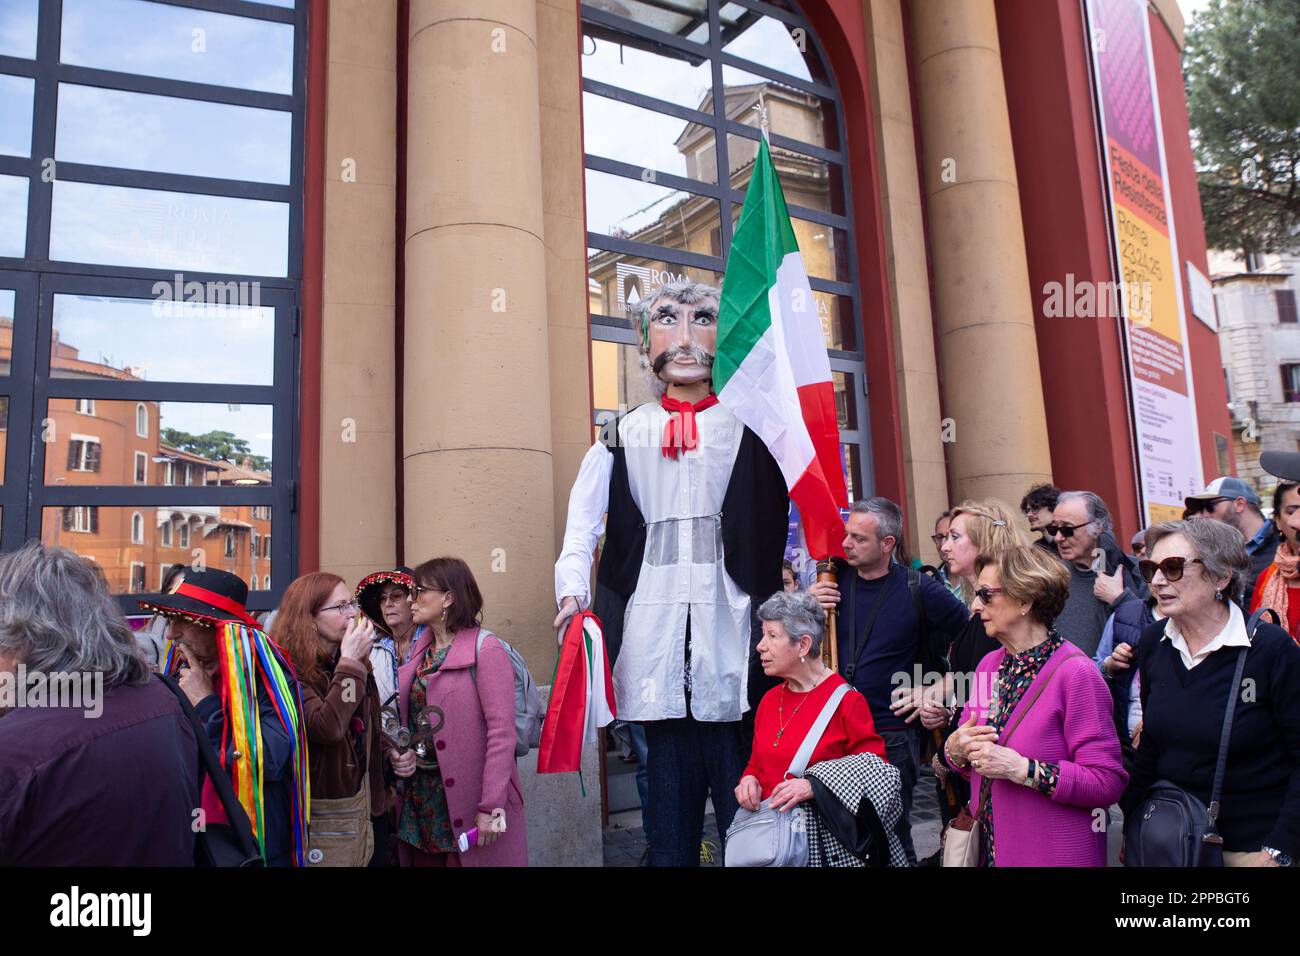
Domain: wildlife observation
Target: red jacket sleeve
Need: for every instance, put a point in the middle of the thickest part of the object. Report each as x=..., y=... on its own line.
x=859, y=729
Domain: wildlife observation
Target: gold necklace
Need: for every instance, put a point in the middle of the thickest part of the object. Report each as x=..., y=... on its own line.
x=782, y=724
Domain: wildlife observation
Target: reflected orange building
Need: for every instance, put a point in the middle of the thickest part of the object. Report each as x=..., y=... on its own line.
x=101, y=442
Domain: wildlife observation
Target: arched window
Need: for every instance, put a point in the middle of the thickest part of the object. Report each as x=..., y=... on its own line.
x=137, y=528
x=672, y=94
x=141, y=420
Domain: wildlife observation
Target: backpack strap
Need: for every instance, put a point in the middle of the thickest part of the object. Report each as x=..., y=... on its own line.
x=800, y=762
x=210, y=766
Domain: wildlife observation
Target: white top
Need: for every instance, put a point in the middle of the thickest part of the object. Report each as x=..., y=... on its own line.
x=1232, y=635
x=683, y=575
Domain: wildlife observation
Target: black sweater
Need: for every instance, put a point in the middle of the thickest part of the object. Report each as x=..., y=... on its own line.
x=1182, y=717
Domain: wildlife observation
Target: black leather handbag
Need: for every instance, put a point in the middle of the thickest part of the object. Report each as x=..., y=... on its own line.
x=218, y=844
x=1171, y=826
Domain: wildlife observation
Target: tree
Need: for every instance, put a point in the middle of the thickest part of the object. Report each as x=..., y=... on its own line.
x=1242, y=71
x=215, y=446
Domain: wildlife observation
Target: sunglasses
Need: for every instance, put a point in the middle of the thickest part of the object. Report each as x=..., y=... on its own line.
x=1200, y=507
x=1172, y=568
x=1064, y=530
x=986, y=594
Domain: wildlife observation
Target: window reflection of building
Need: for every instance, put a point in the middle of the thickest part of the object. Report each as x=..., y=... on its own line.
x=658, y=210
x=119, y=443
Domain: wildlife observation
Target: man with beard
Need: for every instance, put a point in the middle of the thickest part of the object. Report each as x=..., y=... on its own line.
x=694, y=540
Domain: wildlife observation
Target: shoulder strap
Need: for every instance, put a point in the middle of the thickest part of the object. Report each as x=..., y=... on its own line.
x=210, y=767
x=478, y=646
x=857, y=638
x=1040, y=684
x=800, y=762
x=1220, y=764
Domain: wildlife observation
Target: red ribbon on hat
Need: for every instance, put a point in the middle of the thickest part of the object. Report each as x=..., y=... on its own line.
x=218, y=601
x=681, y=430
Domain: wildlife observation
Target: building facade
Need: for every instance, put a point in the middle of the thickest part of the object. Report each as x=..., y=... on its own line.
x=365, y=265
x=1259, y=340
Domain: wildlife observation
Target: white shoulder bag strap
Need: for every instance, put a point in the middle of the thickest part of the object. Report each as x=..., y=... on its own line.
x=800, y=761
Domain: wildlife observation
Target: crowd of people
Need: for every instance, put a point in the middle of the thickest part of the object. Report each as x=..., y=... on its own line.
x=1048, y=678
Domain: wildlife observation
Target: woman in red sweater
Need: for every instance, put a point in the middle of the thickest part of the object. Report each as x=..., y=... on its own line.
x=793, y=626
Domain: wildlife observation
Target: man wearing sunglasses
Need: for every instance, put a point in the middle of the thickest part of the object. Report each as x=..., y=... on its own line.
x=1234, y=502
x=1102, y=577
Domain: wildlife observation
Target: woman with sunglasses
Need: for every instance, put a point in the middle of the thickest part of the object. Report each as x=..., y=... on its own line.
x=329, y=646
x=1036, y=741
x=1187, y=663
x=1278, y=585
x=973, y=528
x=456, y=694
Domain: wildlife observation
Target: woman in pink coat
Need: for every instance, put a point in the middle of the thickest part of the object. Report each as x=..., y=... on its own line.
x=458, y=701
x=1036, y=740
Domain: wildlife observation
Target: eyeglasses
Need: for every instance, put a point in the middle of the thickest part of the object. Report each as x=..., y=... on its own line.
x=1172, y=568
x=339, y=607
x=986, y=594
x=1064, y=530
x=419, y=589
x=938, y=539
x=395, y=597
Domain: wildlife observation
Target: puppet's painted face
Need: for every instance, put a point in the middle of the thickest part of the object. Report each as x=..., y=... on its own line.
x=682, y=340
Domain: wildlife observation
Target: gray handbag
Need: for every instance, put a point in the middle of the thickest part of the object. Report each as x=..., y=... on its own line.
x=769, y=837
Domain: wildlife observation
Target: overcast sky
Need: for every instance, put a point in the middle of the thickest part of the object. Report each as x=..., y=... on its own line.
x=1190, y=7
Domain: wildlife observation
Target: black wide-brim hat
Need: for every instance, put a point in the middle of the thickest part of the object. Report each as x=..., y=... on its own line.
x=210, y=597
x=371, y=587
x=1281, y=464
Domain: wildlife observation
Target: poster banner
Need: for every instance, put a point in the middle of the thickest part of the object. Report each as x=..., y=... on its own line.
x=1150, y=285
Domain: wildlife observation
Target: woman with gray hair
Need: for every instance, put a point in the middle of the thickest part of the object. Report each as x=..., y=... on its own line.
x=98, y=764
x=1189, y=665
x=846, y=763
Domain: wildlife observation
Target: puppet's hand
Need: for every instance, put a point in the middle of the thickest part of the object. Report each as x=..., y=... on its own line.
x=568, y=607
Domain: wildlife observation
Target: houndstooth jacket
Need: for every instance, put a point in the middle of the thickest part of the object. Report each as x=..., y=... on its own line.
x=849, y=781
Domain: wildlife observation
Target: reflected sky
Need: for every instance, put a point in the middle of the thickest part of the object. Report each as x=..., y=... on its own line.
x=16, y=114
x=249, y=422
x=18, y=28
x=179, y=43
x=13, y=215
x=170, y=135
x=647, y=139
x=169, y=342
x=116, y=225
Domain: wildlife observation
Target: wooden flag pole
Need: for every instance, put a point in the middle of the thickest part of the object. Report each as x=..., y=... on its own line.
x=826, y=572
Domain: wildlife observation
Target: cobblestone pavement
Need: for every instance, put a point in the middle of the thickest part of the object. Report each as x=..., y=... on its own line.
x=625, y=839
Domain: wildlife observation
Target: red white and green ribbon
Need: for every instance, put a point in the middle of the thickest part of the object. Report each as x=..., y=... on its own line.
x=582, y=697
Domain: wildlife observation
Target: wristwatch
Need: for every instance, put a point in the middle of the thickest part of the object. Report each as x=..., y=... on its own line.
x=1031, y=773
x=1278, y=857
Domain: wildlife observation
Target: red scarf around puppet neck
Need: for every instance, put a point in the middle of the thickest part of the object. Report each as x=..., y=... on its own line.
x=681, y=432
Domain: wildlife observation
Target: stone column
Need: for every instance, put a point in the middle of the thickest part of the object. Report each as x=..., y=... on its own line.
x=476, y=402
x=908, y=282
x=992, y=387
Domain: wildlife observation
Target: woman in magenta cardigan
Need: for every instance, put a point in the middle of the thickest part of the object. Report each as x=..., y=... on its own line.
x=460, y=772
x=1036, y=740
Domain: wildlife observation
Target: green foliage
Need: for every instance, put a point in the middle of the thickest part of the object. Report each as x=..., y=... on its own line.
x=216, y=446
x=1242, y=69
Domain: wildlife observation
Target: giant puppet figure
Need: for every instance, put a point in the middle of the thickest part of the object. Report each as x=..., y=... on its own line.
x=695, y=513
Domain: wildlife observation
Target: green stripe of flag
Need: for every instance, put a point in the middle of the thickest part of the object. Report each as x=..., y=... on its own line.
x=763, y=238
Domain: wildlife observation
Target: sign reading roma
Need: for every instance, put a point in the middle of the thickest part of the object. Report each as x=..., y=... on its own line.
x=1160, y=385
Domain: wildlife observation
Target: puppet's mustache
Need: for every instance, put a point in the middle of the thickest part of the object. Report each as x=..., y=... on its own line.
x=692, y=351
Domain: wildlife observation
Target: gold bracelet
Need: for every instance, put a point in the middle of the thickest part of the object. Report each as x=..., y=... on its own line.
x=952, y=761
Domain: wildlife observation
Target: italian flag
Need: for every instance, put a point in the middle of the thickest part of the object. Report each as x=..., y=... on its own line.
x=771, y=367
